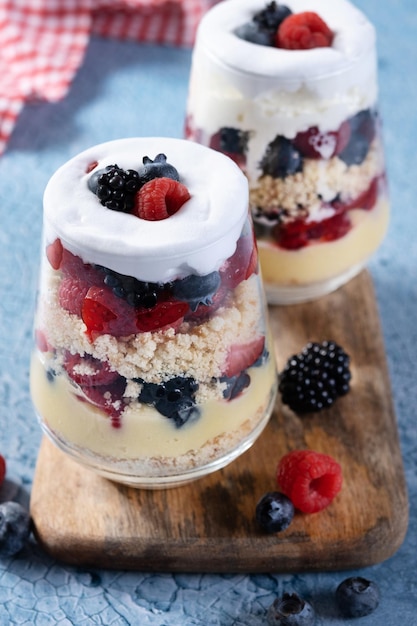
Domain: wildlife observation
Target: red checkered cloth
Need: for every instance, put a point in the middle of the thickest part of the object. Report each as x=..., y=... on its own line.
x=43, y=42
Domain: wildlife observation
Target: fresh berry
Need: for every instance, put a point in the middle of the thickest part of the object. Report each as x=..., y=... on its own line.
x=2, y=469
x=197, y=290
x=254, y=33
x=242, y=264
x=290, y=610
x=108, y=398
x=363, y=130
x=303, y=31
x=235, y=385
x=233, y=142
x=136, y=293
x=314, y=144
x=54, y=253
x=166, y=313
x=281, y=158
x=262, y=29
x=158, y=168
x=174, y=398
x=15, y=527
x=311, y=480
x=357, y=597
x=241, y=356
x=203, y=312
x=41, y=341
x=299, y=233
x=115, y=187
x=103, y=313
x=313, y=379
x=73, y=266
x=365, y=201
x=274, y=512
x=271, y=17
x=88, y=371
x=160, y=198
x=71, y=294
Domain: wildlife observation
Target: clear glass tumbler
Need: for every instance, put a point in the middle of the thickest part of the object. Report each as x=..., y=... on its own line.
x=304, y=127
x=153, y=362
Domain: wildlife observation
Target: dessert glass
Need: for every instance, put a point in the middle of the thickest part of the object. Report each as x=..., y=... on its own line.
x=304, y=127
x=153, y=364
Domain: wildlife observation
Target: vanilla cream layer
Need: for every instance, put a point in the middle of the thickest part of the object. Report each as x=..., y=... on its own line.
x=144, y=433
x=323, y=261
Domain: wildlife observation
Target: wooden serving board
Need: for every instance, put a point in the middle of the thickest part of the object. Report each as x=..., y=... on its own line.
x=208, y=525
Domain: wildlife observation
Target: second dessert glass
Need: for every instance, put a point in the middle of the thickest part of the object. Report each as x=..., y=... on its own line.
x=153, y=362
x=303, y=125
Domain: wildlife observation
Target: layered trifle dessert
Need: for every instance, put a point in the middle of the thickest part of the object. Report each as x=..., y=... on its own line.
x=153, y=364
x=289, y=92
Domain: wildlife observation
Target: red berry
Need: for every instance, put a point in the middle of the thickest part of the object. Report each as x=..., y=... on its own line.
x=314, y=144
x=204, y=311
x=159, y=198
x=241, y=264
x=302, y=31
x=311, y=480
x=164, y=314
x=54, y=254
x=299, y=233
x=2, y=469
x=71, y=294
x=109, y=398
x=41, y=341
x=242, y=356
x=365, y=201
x=91, y=166
x=104, y=313
x=73, y=266
x=88, y=371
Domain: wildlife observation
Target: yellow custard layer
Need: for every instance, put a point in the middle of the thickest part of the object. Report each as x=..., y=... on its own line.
x=324, y=261
x=146, y=439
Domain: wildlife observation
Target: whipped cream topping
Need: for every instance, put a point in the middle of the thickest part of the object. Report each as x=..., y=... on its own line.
x=197, y=239
x=353, y=42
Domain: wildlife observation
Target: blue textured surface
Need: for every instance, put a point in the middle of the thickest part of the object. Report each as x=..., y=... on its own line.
x=125, y=89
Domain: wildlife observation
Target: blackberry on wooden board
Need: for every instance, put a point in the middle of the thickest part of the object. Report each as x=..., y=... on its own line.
x=313, y=379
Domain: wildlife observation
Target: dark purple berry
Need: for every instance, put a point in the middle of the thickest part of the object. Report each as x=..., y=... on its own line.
x=290, y=610
x=158, y=168
x=196, y=290
x=235, y=384
x=137, y=293
x=173, y=398
x=115, y=187
x=271, y=17
x=254, y=33
x=14, y=528
x=357, y=597
x=362, y=128
x=313, y=379
x=274, y=512
x=281, y=159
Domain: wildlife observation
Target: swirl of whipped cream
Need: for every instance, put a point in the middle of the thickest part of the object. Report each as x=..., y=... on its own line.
x=197, y=239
